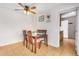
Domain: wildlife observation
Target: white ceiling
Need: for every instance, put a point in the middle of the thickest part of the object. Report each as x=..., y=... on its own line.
x=40, y=6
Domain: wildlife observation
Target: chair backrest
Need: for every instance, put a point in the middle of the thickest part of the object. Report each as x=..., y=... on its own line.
x=29, y=36
x=41, y=32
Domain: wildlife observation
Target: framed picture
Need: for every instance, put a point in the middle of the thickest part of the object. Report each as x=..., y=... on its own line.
x=41, y=18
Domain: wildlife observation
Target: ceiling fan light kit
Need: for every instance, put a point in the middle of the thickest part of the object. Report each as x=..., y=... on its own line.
x=26, y=12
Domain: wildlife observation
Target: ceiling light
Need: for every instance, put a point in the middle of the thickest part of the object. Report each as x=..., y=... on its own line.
x=28, y=12
x=25, y=12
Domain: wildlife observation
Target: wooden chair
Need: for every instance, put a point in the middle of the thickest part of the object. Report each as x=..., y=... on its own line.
x=32, y=41
x=43, y=34
x=25, y=42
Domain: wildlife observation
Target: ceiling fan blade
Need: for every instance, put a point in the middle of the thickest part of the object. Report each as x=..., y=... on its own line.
x=33, y=7
x=21, y=5
x=33, y=12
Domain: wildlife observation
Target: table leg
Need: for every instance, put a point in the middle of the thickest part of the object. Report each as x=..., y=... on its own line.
x=35, y=44
x=46, y=40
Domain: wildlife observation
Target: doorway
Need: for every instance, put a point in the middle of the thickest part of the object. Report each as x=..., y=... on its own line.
x=68, y=28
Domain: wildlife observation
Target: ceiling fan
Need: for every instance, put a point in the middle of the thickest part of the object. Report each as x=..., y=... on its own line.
x=27, y=9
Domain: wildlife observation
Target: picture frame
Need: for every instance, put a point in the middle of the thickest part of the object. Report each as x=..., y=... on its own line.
x=41, y=18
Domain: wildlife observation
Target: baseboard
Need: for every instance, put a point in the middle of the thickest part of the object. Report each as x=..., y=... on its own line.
x=69, y=38
x=8, y=43
x=53, y=45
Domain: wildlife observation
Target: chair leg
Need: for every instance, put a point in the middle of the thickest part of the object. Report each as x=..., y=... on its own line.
x=35, y=47
x=32, y=47
x=46, y=40
x=40, y=44
x=28, y=45
x=24, y=42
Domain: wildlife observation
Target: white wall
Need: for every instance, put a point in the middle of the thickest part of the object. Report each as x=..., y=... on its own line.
x=54, y=29
x=11, y=25
x=64, y=25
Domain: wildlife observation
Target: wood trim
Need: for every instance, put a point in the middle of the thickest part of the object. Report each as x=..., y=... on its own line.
x=60, y=19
